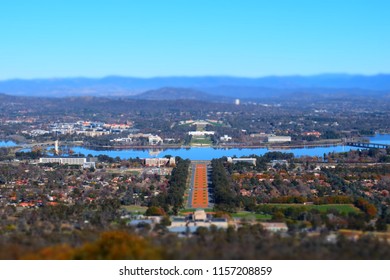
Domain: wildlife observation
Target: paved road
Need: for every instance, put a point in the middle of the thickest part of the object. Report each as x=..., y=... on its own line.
x=192, y=183
x=197, y=182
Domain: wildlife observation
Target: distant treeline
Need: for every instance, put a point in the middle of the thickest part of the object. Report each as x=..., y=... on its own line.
x=248, y=242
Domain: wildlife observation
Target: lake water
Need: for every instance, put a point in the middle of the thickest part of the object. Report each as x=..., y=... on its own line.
x=380, y=139
x=208, y=153
x=7, y=144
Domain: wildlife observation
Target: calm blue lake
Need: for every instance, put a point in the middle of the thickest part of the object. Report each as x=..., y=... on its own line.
x=7, y=144
x=380, y=139
x=208, y=153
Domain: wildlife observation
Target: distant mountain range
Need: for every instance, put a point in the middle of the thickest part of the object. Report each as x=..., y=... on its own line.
x=170, y=93
x=199, y=87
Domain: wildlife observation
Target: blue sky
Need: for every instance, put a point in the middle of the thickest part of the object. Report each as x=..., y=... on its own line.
x=147, y=38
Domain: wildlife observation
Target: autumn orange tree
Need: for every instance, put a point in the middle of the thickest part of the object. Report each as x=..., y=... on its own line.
x=112, y=245
x=366, y=207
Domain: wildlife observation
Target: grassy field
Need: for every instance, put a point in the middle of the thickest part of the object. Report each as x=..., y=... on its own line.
x=135, y=208
x=241, y=214
x=187, y=210
x=251, y=216
x=200, y=141
x=342, y=208
x=216, y=124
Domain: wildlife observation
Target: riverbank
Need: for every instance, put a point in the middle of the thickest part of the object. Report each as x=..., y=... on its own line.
x=269, y=146
x=223, y=146
x=208, y=153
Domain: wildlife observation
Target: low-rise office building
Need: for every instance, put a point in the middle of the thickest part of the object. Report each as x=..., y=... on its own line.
x=82, y=161
x=248, y=160
x=157, y=162
x=201, y=133
x=278, y=139
x=64, y=160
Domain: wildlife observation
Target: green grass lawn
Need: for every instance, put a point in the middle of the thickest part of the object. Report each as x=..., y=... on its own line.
x=251, y=216
x=342, y=208
x=217, y=124
x=135, y=208
x=201, y=141
x=207, y=210
x=241, y=214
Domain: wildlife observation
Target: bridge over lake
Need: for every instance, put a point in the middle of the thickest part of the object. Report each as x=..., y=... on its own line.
x=367, y=145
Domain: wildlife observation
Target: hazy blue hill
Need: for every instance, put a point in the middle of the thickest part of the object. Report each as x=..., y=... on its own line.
x=232, y=86
x=247, y=92
x=175, y=94
x=68, y=87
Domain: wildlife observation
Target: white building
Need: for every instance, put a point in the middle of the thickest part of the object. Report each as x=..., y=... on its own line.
x=156, y=161
x=279, y=161
x=64, y=160
x=248, y=160
x=139, y=135
x=172, y=161
x=37, y=132
x=199, y=215
x=90, y=164
x=201, y=133
x=178, y=222
x=225, y=138
x=279, y=139
x=199, y=219
x=121, y=140
x=93, y=133
x=275, y=227
x=154, y=139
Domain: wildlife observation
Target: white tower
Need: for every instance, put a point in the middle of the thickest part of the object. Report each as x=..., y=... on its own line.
x=56, y=150
x=237, y=102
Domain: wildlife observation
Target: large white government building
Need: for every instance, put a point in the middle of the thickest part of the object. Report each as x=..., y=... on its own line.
x=201, y=133
x=278, y=139
x=247, y=160
x=64, y=160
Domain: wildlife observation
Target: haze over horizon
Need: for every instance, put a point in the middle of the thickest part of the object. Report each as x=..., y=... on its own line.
x=148, y=39
x=325, y=74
